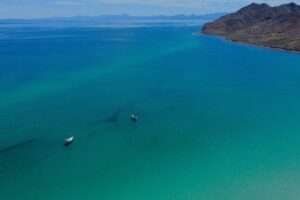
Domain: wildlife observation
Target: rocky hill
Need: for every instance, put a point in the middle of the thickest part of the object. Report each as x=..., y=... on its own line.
x=261, y=24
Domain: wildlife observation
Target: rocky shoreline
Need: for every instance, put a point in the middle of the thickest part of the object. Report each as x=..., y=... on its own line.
x=253, y=45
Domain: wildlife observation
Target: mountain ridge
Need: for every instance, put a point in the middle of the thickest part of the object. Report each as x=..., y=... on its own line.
x=262, y=25
x=210, y=16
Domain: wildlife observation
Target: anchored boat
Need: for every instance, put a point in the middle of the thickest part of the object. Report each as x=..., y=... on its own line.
x=134, y=117
x=69, y=140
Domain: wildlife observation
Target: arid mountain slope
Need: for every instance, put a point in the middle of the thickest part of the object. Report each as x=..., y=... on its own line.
x=261, y=24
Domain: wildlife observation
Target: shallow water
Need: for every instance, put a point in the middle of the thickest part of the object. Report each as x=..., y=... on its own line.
x=218, y=120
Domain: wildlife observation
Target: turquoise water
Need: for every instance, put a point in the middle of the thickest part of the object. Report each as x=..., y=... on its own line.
x=218, y=120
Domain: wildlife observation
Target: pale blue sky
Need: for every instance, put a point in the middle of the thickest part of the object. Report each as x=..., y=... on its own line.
x=51, y=8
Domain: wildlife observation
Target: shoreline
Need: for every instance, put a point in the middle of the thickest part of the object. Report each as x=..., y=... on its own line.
x=250, y=44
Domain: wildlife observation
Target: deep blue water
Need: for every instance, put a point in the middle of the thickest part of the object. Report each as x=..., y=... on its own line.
x=218, y=120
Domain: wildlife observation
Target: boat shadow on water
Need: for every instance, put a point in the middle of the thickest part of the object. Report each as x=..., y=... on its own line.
x=16, y=146
x=114, y=117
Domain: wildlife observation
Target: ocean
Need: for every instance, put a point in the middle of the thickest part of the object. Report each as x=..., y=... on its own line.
x=217, y=120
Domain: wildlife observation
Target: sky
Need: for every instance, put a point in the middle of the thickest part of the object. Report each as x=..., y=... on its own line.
x=63, y=8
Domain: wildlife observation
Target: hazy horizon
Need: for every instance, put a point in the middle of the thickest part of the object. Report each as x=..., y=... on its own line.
x=125, y=16
x=17, y=9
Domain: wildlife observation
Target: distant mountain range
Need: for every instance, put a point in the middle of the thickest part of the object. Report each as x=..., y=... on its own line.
x=121, y=18
x=261, y=24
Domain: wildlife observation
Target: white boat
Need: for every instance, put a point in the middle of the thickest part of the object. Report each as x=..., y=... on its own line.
x=69, y=140
x=134, y=117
